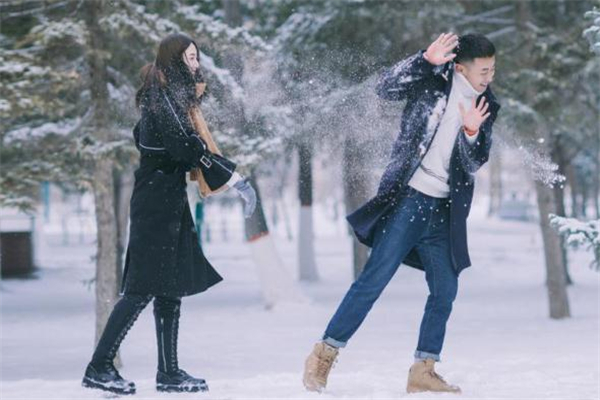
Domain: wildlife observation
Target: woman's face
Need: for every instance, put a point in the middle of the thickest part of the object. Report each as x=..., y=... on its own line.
x=190, y=58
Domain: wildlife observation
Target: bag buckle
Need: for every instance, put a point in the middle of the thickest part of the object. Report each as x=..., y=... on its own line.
x=206, y=161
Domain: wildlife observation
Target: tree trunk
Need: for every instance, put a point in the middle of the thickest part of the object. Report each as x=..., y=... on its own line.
x=555, y=276
x=584, y=199
x=495, y=183
x=106, y=258
x=256, y=226
x=574, y=186
x=285, y=215
x=102, y=175
x=596, y=177
x=597, y=196
x=286, y=219
x=123, y=182
x=306, y=248
x=559, y=194
x=276, y=282
x=559, y=198
x=555, y=270
x=355, y=195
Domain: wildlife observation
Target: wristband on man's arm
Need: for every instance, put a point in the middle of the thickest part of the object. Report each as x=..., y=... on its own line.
x=471, y=135
x=470, y=132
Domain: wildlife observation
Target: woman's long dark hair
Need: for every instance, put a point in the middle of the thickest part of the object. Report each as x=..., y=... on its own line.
x=169, y=72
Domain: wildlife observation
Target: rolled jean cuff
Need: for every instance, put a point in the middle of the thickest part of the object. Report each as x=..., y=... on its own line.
x=333, y=342
x=423, y=355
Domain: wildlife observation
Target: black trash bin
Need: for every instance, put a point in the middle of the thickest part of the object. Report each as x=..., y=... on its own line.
x=16, y=246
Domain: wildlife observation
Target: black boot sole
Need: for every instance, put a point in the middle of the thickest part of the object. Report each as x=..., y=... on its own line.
x=181, y=389
x=92, y=384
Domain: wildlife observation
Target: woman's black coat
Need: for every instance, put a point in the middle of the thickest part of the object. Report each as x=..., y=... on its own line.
x=163, y=255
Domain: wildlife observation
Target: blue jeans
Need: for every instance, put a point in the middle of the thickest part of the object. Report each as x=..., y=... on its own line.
x=421, y=222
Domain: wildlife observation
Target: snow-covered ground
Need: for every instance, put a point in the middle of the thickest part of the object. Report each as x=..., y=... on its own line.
x=500, y=341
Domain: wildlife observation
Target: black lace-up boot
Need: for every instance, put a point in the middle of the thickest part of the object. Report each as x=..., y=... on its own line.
x=170, y=378
x=101, y=372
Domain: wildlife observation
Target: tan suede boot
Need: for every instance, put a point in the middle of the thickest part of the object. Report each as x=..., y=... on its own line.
x=317, y=366
x=423, y=378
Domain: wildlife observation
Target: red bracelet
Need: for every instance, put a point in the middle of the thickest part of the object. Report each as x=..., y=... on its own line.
x=470, y=132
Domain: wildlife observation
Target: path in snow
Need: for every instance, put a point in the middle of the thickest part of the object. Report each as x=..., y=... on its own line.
x=500, y=342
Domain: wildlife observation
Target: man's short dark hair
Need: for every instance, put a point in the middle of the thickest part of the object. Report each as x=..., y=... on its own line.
x=472, y=46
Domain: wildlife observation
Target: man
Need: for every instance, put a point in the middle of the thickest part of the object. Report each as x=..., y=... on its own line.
x=418, y=216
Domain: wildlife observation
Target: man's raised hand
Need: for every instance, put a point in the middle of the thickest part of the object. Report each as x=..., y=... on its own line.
x=440, y=51
x=473, y=118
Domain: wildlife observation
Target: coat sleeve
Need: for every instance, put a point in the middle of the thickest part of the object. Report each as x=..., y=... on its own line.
x=474, y=155
x=399, y=81
x=188, y=148
x=217, y=170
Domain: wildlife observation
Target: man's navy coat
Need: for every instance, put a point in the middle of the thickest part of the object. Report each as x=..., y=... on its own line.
x=426, y=89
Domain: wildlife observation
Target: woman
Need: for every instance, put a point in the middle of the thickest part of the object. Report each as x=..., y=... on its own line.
x=164, y=261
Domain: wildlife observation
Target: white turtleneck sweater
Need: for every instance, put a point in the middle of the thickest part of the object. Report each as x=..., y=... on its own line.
x=431, y=178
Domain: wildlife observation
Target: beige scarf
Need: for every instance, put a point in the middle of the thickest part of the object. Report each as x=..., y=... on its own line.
x=201, y=128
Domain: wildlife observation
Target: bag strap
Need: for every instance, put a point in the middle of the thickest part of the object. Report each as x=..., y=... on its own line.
x=174, y=113
x=178, y=121
x=204, y=159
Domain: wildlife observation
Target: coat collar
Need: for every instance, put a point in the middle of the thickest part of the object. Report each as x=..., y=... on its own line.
x=447, y=73
x=464, y=87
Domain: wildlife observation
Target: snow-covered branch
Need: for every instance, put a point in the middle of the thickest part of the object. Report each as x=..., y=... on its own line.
x=579, y=233
x=593, y=32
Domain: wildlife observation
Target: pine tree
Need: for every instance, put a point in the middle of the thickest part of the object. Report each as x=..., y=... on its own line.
x=580, y=233
x=69, y=72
